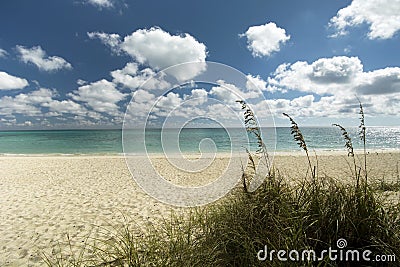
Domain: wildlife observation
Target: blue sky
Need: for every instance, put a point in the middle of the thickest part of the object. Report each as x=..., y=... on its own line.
x=76, y=64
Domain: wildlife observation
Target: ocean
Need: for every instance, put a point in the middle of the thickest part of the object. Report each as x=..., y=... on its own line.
x=110, y=141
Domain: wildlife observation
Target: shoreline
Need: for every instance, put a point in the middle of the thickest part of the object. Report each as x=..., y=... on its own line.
x=224, y=154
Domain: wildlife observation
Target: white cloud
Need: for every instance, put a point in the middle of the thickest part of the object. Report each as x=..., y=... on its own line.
x=302, y=101
x=265, y=39
x=226, y=93
x=101, y=96
x=37, y=56
x=8, y=121
x=307, y=107
x=179, y=109
x=197, y=97
x=3, y=53
x=255, y=83
x=10, y=105
x=130, y=77
x=168, y=102
x=147, y=105
x=41, y=103
x=338, y=106
x=40, y=96
x=142, y=101
x=383, y=17
x=111, y=40
x=335, y=76
x=101, y=3
x=65, y=106
x=142, y=96
x=338, y=80
x=379, y=82
x=81, y=82
x=335, y=70
x=324, y=76
x=229, y=93
x=159, y=49
x=224, y=114
x=9, y=82
x=26, y=104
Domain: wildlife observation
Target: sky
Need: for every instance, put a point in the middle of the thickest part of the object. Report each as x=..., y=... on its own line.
x=81, y=63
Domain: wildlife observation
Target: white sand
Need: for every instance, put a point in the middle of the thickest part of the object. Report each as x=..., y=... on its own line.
x=43, y=198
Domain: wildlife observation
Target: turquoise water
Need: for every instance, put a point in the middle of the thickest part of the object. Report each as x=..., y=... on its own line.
x=110, y=141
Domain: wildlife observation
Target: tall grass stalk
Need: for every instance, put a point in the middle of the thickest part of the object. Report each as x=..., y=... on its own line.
x=299, y=138
x=252, y=126
x=362, y=134
x=350, y=150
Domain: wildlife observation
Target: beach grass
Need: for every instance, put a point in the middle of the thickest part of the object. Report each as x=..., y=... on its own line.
x=310, y=215
x=276, y=215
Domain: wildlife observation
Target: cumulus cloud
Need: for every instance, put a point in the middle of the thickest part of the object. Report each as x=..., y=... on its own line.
x=382, y=81
x=40, y=104
x=337, y=70
x=255, y=83
x=26, y=104
x=142, y=101
x=159, y=49
x=65, y=106
x=337, y=80
x=324, y=76
x=146, y=104
x=339, y=106
x=225, y=92
x=197, y=97
x=172, y=105
x=168, y=102
x=31, y=104
x=81, y=82
x=229, y=93
x=3, y=53
x=335, y=76
x=130, y=77
x=101, y=3
x=111, y=40
x=37, y=56
x=382, y=16
x=9, y=82
x=142, y=96
x=265, y=39
x=40, y=96
x=343, y=76
x=101, y=96
x=308, y=106
x=299, y=106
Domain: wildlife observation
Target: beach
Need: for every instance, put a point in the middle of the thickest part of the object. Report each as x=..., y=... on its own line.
x=50, y=199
